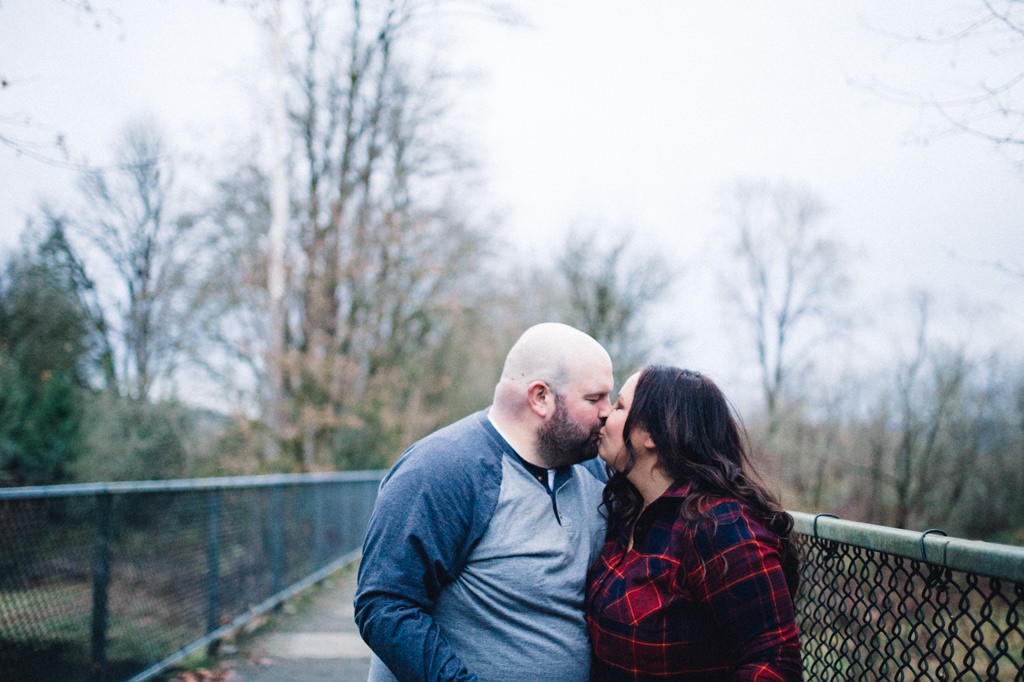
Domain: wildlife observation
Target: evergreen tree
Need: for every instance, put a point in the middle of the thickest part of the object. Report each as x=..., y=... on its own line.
x=46, y=344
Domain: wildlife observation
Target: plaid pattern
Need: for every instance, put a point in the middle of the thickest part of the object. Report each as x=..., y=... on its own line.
x=692, y=601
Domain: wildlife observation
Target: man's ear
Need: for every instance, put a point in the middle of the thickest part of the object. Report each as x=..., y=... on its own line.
x=540, y=398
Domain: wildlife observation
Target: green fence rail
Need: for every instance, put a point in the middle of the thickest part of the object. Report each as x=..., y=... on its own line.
x=121, y=581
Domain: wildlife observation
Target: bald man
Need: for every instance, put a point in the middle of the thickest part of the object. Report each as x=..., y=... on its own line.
x=476, y=556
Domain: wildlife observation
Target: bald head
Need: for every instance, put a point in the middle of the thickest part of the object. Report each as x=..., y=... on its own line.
x=557, y=354
x=551, y=352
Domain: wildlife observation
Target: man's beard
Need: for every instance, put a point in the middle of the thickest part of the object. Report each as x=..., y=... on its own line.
x=562, y=441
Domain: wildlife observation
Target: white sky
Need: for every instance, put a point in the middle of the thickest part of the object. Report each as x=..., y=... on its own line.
x=622, y=113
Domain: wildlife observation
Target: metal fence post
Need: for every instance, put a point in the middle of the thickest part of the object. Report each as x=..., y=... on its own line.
x=277, y=538
x=319, y=539
x=213, y=567
x=100, y=583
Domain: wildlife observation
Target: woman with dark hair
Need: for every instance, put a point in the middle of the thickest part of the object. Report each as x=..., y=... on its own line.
x=698, y=576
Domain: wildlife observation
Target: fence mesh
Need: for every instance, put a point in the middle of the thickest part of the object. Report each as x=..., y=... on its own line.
x=46, y=549
x=109, y=582
x=103, y=586
x=871, y=615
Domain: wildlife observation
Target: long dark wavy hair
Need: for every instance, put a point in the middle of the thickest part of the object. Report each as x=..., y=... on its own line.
x=699, y=439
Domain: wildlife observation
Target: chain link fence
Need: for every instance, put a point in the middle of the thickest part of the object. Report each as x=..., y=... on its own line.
x=120, y=581
x=884, y=604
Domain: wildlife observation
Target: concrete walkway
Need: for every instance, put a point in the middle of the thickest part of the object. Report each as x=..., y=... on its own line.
x=312, y=638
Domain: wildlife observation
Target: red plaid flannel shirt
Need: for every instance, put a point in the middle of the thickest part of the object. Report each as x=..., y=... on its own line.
x=692, y=601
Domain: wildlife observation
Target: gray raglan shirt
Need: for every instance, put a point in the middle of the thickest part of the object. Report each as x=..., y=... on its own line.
x=468, y=570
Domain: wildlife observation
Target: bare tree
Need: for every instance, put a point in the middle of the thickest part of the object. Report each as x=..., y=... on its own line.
x=22, y=132
x=377, y=248
x=979, y=91
x=923, y=435
x=980, y=490
x=785, y=281
x=140, y=238
x=919, y=421
x=982, y=85
x=610, y=289
x=230, y=298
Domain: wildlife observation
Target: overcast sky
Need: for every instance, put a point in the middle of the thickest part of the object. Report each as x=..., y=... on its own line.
x=611, y=112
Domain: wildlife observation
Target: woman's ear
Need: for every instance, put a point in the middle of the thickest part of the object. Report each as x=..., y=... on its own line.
x=640, y=437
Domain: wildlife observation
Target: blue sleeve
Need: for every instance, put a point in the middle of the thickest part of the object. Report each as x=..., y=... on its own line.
x=431, y=510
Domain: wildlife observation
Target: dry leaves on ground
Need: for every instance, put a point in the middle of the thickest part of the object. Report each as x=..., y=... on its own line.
x=204, y=675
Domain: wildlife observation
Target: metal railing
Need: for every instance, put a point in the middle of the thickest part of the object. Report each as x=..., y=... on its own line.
x=120, y=581
x=880, y=603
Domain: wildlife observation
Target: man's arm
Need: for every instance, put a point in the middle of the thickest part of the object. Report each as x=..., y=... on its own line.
x=425, y=522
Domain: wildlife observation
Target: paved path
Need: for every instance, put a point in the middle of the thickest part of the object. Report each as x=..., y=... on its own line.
x=313, y=638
